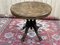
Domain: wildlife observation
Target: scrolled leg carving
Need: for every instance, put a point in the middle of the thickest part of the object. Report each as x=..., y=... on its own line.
x=31, y=24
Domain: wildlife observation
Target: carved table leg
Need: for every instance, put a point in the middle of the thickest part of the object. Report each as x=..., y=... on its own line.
x=31, y=24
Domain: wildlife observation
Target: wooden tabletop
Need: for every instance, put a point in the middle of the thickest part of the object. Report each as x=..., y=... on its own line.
x=31, y=10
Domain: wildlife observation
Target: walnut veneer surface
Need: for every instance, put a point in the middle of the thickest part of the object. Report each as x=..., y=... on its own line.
x=31, y=10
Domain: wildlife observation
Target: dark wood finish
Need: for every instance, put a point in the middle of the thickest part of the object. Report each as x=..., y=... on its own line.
x=31, y=11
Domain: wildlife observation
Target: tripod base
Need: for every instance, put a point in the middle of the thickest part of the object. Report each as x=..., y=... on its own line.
x=31, y=24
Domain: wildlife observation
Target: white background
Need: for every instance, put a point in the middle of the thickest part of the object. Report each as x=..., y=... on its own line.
x=6, y=4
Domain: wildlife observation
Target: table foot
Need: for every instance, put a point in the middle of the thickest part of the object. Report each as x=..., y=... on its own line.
x=31, y=24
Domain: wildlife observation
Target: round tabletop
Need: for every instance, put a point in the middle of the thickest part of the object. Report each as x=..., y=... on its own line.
x=31, y=10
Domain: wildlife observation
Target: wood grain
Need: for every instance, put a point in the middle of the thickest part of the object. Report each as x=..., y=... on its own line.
x=31, y=9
